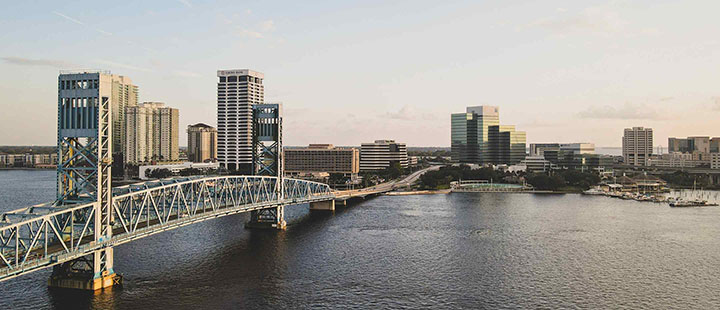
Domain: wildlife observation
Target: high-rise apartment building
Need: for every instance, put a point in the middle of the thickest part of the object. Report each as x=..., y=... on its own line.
x=505, y=145
x=237, y=91
x=87, y=88
x=151, y=133
x=202, y=143
x=381, y=154
x=637, y=145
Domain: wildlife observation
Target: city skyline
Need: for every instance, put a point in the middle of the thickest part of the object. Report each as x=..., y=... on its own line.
x=390, y=71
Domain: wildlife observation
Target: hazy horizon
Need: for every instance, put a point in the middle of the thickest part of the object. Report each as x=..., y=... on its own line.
x=353, y=72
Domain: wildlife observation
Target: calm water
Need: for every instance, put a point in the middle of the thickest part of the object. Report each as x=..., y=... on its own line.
x=444, y=251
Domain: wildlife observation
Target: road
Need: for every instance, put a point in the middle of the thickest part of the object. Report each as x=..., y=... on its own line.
x=387, y=186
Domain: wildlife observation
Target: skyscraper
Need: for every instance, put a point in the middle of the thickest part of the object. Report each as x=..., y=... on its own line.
x=470, y=133
x=505, y=145
x=237, y=91
x=202, y=143
x=472, y=140
x=637, y=145
x=152, y=133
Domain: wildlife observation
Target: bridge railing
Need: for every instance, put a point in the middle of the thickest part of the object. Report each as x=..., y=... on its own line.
x=41, y=236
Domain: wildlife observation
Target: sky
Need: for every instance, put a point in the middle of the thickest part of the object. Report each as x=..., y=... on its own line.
x=348, y=72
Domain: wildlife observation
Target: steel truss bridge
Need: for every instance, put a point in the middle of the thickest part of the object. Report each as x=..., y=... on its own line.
x=48, y=235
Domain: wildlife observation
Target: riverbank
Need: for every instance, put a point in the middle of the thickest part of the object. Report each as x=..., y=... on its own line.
x=419, y=192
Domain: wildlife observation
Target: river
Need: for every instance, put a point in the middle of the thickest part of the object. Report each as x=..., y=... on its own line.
x=463, y=250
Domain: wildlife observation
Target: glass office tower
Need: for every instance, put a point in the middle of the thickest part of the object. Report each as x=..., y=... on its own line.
x=470, y=134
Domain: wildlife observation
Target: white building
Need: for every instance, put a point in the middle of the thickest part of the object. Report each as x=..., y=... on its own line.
x=380, y=154
x=237, y=92
x=637, y=145
x=715, y=161
x=152, y=133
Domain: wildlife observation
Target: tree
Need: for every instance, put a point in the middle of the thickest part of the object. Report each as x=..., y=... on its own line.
x=190, y=171
x=160, y=173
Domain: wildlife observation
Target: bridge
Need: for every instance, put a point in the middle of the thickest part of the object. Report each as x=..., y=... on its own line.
x=43, y=236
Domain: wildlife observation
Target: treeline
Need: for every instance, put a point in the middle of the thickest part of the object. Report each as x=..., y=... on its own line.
x=563, y=179
x=441, y=178
x=161, y=173
x=686, y=180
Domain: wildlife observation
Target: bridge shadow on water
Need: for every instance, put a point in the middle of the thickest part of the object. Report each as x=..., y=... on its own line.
x=248, y=266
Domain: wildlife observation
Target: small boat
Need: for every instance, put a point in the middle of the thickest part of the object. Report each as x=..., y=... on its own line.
x=680, y=203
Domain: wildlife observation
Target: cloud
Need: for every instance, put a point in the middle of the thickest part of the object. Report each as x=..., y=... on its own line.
x=69, y=18
x=715, y=105
x=267, y=26
x=121, y=65
x=81, y=23
x=409, y=113
x=186, y=3
x=602, y=21
x=186, y=74
x=243, y=32
x=37, y=62
x=624, y=112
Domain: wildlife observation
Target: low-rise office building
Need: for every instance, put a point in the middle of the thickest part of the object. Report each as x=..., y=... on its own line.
x=715, y=161
x=381, y=154
x=678, y=160
x=321, y=158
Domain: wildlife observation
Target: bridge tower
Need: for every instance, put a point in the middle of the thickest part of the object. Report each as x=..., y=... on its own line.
x=84, y=172
x=267, y=161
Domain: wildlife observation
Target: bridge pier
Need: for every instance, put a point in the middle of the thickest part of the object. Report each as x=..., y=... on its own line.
x=327, y=205
x=82, y=273
x=268, y=218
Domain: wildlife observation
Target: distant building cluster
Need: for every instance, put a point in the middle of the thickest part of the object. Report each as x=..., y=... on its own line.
x=690, y=152
x=478, y=138
x=141, y=133
x=578, y=156
x=28, y=160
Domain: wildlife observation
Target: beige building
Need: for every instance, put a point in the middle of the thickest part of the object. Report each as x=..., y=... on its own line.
x=202, y=143
x=637, y=145
x=715, y=161
x=151, y=133
x=321, y=158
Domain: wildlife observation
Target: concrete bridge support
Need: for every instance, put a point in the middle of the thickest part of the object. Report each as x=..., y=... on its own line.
x=327, y=205
x=80, y=273
x=268, y=218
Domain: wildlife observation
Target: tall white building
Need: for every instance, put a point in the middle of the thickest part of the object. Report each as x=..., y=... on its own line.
x=152, y=133
x=380, y=154
x=637, y=145
x=237, y=91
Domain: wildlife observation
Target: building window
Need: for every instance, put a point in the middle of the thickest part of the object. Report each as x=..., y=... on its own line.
x=232, y=79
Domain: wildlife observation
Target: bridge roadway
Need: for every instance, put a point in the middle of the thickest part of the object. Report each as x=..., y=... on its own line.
x=46, y=235
x=343, y=196
x=42, y=236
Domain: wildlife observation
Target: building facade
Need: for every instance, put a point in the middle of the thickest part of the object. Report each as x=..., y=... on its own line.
x=152, y=133
x=637, y=145
x=319, y=158
x=237, y=92
x=202, y=143
x=381, y=154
